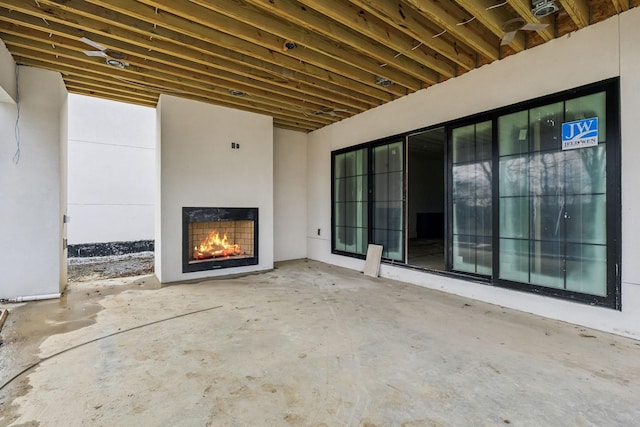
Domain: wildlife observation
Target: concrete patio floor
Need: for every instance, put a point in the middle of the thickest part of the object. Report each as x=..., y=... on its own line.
x=307, y=344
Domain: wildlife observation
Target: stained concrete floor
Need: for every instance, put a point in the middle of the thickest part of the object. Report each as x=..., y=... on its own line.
x=306, y=344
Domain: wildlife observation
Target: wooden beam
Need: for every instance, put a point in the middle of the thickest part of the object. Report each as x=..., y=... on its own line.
x=493, y=19
x=439, y=16
x=620, y=5
x=112, y=97
x=216, y=78
x=523, y=8
x=66, y=65
x=412, y=25
x=121, y=89
x=193, y=80
x=346, y=27
x=106, y=92
x=578, y=10
x=314, y=48
x=110, y=19
x=130, y=42
x=201, y=23
x=317, y=23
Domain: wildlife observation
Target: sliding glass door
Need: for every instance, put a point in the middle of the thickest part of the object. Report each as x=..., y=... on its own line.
x=553, y=216
x=471, y=178
x=525, y=197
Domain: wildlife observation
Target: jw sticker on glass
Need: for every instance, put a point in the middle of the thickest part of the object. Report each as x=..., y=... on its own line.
x=580, y=134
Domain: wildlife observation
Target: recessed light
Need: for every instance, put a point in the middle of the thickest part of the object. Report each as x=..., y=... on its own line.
x=383, y=81
x=115, y=63
x=288, y=45
x=236, y=92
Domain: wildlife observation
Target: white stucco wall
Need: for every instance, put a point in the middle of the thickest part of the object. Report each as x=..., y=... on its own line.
x=198, y=167
x=31, y=229
x=558, y=65
x=111, y=171
x=290, y=194
x=7, y=75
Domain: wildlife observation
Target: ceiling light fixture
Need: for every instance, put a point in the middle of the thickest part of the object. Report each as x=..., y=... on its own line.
x=383, y=81
x=288, y=45
x=543, y=8
x=235, y=92
x=116, y=63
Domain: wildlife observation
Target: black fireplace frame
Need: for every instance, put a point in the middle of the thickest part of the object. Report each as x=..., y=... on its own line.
x=205, y=214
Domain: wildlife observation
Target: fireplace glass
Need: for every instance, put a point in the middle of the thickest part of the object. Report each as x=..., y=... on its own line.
x=219, y=237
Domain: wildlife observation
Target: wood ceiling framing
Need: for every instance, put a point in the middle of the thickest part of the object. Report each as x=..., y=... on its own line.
x=306, y=63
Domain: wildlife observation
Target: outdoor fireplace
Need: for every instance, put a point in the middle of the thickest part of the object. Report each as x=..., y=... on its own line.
x=215, y=238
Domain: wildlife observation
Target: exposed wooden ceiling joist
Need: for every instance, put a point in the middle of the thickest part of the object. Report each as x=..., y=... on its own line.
x=306, y=63
x=578, y=10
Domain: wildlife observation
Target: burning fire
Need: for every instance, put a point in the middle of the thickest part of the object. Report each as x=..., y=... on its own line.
x=215, y=247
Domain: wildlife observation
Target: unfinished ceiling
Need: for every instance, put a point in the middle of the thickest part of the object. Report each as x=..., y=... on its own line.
x=306, y=63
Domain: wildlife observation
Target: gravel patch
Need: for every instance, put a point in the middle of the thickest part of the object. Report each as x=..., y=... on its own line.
x=109, y=267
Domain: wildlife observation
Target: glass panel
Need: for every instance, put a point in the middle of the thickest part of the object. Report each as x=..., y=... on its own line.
x=472, y=192
x=513, y=133
x=351, y=239
x=351, y=189
x=395, y=216
x=339, y=189
x=361, y=161
x=482, y=217
x=339, y=233
x=350, y=163
x=586, y=219
x=462, y=217
x=587, y=107
x=546, y=173
x=514, y=176
x=381, y=159
x=463, y=181
x=514, y=260
x=394, y=245
x=587, y=269
x=350, y=206
x=484, y=137
x=395, y=186
x=396, y=151
x=381, y=182
x=464, y=254
x=391, y=242
x=547, y=222
x=340, y=166
x=361, y=214
x=339, y=214
x=463, y=144
x=547, y=264
x=361, y=183
x=514, y=217
x=380, y=214
x=565, y=191
x=545, y=126
x=484, y=255
x=483, y=179
x=585, y=170
x=351, y=214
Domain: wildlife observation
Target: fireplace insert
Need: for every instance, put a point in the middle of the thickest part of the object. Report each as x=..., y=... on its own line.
x=214, y=238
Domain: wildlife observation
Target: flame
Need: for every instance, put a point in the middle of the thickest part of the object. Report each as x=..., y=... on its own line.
x=215, y=247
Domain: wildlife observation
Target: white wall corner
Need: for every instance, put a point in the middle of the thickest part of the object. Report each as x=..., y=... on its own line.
x=7, y=75
x=31, y=187
x=290, y=194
